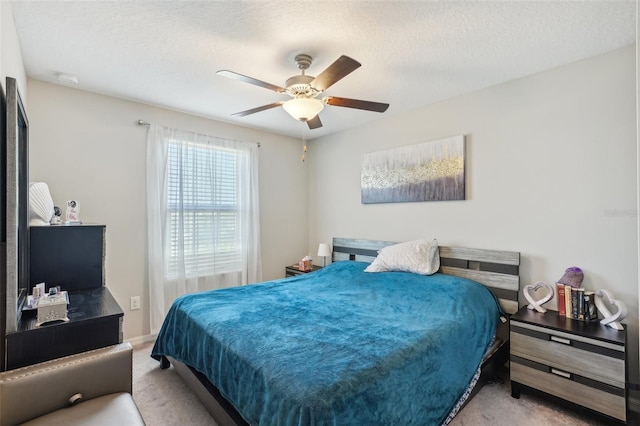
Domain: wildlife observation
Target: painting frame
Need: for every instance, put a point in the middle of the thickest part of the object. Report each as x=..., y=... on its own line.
x=428, y=171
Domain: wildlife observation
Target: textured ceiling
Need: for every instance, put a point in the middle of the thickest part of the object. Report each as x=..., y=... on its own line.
x=413, y=53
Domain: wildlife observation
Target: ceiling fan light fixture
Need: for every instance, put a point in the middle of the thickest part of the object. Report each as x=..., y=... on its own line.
x=304, y=89
x=303, y=109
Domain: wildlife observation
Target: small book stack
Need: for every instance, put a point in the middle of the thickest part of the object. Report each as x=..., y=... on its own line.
x=576, y=303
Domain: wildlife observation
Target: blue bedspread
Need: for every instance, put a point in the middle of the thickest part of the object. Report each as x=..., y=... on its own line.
x=338, y=346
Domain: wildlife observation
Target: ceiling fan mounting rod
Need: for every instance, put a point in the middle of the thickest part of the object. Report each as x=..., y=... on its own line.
x=300, y=85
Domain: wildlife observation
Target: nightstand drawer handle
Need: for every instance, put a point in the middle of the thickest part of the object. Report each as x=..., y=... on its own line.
x=561, y=373
x=560, y=340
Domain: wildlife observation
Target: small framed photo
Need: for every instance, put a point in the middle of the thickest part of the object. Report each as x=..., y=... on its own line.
x=73, y=211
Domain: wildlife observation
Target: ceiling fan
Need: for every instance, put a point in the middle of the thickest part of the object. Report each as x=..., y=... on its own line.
x=304, y=90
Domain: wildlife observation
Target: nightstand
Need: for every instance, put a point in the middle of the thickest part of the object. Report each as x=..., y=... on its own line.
x=293, y=270
x=581, y=362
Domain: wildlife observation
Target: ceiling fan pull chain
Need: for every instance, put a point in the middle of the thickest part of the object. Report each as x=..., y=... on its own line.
x=304, y=142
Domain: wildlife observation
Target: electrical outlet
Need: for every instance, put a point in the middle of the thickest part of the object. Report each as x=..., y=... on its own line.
x=135, y=303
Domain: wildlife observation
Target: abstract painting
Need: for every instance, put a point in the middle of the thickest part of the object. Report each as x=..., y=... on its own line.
x=430, y=171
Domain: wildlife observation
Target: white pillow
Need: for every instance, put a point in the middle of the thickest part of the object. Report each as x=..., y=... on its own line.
x=419, y=256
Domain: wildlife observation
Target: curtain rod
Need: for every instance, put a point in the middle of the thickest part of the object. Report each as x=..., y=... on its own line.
x=145, y=123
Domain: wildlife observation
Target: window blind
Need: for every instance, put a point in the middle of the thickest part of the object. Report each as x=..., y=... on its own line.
x=203, y=210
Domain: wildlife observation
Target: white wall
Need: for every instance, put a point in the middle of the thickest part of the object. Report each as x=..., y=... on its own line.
x=11, y=64
x=87, y=147
x=551, y=167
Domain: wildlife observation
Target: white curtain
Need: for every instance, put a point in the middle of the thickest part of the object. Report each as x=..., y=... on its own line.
x=202, y=216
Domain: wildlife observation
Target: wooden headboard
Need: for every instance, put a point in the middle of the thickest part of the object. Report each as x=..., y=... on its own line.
x=498, y=270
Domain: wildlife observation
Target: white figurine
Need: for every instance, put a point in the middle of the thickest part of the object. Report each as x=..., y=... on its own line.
x=537, y=304
x=611, y=320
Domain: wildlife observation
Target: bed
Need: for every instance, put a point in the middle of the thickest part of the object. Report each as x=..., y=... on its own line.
x=344, y=346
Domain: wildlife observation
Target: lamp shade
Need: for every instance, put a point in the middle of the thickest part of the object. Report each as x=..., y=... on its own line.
x=41, y=208
x=324, y=250
x=303, y=109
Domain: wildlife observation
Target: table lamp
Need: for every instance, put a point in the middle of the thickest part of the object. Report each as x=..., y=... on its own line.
x=324, y=250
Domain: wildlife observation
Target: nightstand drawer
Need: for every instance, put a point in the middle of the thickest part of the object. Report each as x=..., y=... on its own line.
x=607, y=400
x=560, y=352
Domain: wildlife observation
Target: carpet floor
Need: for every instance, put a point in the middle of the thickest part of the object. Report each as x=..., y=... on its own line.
x=164, y=400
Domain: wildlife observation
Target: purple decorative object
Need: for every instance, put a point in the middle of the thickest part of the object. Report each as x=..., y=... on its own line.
x=572, y=277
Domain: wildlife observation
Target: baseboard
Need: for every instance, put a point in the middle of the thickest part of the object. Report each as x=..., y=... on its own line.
x=141, y=340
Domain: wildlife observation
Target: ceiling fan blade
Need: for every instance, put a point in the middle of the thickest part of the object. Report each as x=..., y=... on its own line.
x=355, y=103
x=315, y=122
x=258, y=109
x=343, y=66
x=250, y=80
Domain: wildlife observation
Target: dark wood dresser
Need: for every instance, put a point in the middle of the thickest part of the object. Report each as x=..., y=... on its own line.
x=95, y=321
x=71, y=257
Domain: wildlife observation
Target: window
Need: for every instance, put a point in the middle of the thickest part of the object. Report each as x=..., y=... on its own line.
x=203, y=213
